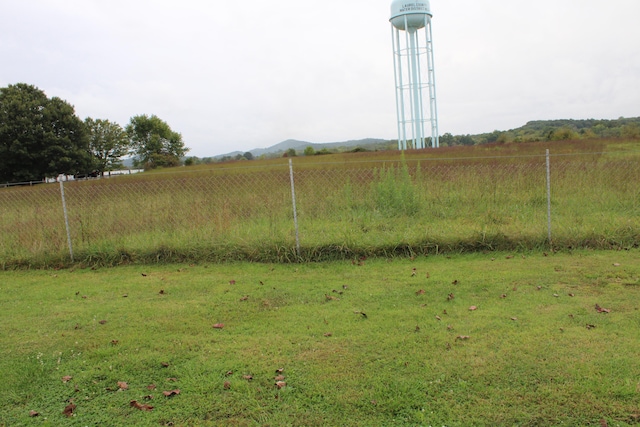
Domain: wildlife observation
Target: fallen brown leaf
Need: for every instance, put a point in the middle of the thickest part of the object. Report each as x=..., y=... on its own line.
x=281, y=384
x=67, y=378
x=102, y=322
x=151, y=387
x=164, y=364
x=602, y=310
x=279, y=370
x=244, y=298
x=462, y=337
x=279, y=378
x=123, y=385
x=227, y=385
x=248, y=377
x=172, y=380
x=33, y=413
x=68, y=410
x=328, y=334
x=218, y=326
x=420, y=292
x=473, y=308
x=140, y=406
x=438, y=318
x=450, y=297
x=171, y=392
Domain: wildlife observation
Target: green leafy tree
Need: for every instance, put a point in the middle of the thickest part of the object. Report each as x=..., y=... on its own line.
x=154, y=143
x=309, y=151
x=39, y=136
x=108, y=142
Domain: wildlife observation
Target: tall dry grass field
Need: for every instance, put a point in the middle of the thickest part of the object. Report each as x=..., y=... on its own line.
x=347, y=205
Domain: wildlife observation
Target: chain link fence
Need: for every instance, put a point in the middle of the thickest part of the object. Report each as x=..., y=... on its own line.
x=303, y=210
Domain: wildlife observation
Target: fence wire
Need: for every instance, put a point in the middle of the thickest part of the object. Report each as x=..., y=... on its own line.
x=354, y=206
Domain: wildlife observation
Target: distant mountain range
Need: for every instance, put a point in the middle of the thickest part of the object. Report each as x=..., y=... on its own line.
x=300, y=146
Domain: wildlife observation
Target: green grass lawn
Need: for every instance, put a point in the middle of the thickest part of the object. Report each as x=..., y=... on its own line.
x=371, y=342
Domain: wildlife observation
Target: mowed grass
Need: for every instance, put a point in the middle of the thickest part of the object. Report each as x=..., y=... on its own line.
x=375, y=342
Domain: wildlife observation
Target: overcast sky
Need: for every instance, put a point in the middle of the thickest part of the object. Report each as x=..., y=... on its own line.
x=244, y=74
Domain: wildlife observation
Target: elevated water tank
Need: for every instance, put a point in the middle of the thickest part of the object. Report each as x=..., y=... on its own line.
x=409, y=12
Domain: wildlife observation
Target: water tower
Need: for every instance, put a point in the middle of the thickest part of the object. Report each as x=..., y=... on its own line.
x=414, y=74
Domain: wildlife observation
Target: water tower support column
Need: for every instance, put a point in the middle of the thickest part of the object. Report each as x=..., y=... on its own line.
x=414, y=73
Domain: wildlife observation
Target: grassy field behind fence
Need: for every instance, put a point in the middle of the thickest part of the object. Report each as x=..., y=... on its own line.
x=383, y=203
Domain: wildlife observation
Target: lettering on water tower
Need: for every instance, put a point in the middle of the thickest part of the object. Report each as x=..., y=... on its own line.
x=414, y=7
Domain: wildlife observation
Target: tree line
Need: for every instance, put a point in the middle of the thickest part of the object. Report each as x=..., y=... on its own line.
x=42, y=137
x=552, y=130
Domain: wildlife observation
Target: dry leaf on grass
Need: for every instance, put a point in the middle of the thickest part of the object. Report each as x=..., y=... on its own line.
x=140, y=406
x=218, y=326
x=602, y=310
x=68, y=410
x=281, y=384
x=33, y=414
x=170, y=393
x=67, y=378
x=473, y=308
x=463, y=337
x=123, y=385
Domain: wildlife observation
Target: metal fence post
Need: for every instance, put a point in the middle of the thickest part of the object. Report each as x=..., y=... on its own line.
x=295, y=211
x=66, y=219
x=549, y=199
